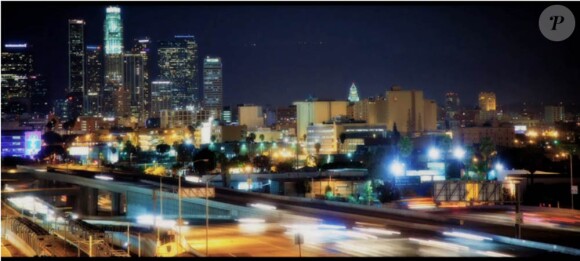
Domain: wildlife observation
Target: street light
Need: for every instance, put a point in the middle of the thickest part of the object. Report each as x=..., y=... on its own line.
x=434, y=153
x=499, y=167
x=458, y=153
x=398, y=168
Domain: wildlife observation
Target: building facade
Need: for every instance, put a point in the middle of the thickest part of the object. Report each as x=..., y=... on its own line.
x=251, y=116
x=487, y=101
x=500, y=135
x=161, y=97
x=94, y=80
x=553, y=114
x=17, y=67
x=213, y=85
x=407, y=109
x=113, y=61
x=177, y=61
x=315, y=111
x=177, y=118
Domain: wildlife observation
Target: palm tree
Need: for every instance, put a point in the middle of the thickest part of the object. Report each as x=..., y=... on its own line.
x=405, y=147
x=262, y=137
x=487, y=150
x=317, y=147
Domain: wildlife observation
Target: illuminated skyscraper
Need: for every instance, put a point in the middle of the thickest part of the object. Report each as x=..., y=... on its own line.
x=213, y=85
x=161, y=97
x=76, y=55
x=76, y=66
x=113, y=60
x=353, y=94
x=487, y=101
x=178, y=64
x=94, y=80
x=16, y=71
x=137, y=79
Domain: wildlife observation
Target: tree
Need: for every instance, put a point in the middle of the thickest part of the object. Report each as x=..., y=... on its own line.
x=262, y=162
x=53, y=146
x=51, y=124
x=486, y=150
x=204, y=166
x=285, y=166
x=184, y=152
x=262, y=137
x=68, y=125
x=405, y=147
x=191, y=129
x=317, y=147
x=251, y=138
x=129, y=149
x=396, y=135
x=162, y=149
x=213, y=138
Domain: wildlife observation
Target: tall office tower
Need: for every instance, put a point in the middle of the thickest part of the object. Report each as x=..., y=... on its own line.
x=38, y=95
x=226, y=114
x=177, y=62
x=113, y=60
x=452, y=102
x=487, y=101
x=94, y=80
x=353, y=94
x=142, y=47
x=553, y=114
x=161, y=97
x=76, y=66
x=212, y=85
x=16, y=70
x=135, y=85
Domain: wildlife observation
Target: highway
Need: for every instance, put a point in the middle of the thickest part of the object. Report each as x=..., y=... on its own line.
x=414, y=237
x=407, y=225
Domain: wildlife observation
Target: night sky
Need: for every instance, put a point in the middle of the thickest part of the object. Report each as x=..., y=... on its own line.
x=277, y=54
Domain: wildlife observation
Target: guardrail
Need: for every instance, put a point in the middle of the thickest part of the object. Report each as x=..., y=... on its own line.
x=32, y=234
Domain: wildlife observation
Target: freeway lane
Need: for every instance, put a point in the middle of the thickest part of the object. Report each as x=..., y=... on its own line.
x=406, y=225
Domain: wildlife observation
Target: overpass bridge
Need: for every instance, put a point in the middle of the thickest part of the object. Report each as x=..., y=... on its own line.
x=136, y=196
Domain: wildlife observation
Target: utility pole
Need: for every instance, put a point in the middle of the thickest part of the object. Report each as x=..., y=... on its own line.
x=206, y=218
x=571, y=184
x=128, y=239
x=139, y=252
x=519, y=216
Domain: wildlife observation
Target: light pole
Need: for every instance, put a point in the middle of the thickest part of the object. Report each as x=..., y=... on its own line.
x=207, y=215
x=571, y=183
x=179, y=219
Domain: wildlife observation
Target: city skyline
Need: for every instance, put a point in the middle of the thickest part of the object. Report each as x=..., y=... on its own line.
x=324, y=59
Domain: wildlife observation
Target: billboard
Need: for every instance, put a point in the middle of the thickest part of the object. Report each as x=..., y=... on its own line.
x=33, y=142
x=520, y=129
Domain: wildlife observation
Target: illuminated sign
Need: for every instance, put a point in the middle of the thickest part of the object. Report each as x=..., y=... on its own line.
x=520, y=129
x=15, y=45
x=144, y=41
x=212, y=60
x=184, y=36
x=161, y=82
x=33, y=141
x=79, y=151
x=92, y=47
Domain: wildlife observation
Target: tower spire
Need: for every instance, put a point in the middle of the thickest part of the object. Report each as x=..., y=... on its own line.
x=353, y=93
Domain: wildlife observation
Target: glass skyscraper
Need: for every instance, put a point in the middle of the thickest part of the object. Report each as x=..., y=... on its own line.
x=113, y=60
x=137, y=79
x=76, y=66
x=94, y=79
x=16, y=71
x=213, y=85
x=178, y=64
x=76, y=55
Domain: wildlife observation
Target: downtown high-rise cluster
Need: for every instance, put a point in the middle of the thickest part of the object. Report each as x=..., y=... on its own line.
x=113, y=79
